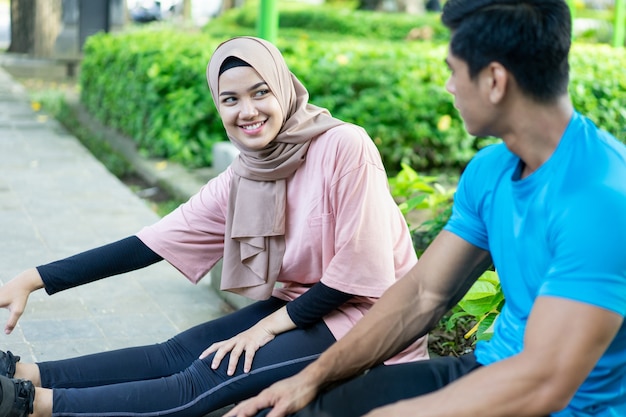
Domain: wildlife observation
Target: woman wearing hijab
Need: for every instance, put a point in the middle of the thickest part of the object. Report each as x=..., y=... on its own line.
x=305, y=224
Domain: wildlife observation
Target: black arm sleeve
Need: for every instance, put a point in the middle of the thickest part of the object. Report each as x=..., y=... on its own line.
x=115, y=258
x=314, y=304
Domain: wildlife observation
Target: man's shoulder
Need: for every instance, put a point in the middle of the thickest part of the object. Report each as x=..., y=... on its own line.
x=492, y=158
x=601, y=137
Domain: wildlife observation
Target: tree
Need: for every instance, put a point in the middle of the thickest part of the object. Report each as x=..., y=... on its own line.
x=231, y=4
x=35, y=25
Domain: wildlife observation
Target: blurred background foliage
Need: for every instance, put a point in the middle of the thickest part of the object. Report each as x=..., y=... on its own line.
x=383, y=71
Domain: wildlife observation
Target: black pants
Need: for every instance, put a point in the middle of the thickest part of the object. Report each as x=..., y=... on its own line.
x=384, y=385
x=168, y=379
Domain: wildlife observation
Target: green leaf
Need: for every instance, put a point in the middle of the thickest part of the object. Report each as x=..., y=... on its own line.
x=481, y=289
x=477, y=307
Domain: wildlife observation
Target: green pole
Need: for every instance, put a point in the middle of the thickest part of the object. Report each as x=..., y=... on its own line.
x=268, y=20
x=620, y=22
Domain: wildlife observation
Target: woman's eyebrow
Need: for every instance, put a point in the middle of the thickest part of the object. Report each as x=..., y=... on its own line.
x=254, y=87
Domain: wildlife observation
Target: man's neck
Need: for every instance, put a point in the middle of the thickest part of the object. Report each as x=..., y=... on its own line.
x=536, y=130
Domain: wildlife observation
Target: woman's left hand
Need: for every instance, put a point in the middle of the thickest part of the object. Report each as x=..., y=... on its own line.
x=247, y=343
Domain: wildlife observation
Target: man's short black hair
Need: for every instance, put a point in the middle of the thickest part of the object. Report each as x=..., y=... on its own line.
x=530, y=38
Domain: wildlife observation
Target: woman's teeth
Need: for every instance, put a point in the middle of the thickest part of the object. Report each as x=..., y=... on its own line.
x=253, y=126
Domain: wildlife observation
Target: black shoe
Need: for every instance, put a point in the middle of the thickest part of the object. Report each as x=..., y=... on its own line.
x=16, y=397
x=7, y=363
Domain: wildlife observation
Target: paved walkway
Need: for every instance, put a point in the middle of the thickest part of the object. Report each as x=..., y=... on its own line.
x=56, y=199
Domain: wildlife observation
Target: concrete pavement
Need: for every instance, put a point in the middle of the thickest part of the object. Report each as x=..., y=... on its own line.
x=56, y=199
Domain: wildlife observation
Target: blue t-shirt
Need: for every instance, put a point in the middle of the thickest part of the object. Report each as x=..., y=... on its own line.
x=559, y=232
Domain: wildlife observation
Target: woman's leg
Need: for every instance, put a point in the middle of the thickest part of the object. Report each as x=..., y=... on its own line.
x=198, y=389
x=384, y=385
x=148, y=362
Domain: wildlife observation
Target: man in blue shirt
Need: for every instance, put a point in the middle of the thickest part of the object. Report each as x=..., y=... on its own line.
x=547, y=206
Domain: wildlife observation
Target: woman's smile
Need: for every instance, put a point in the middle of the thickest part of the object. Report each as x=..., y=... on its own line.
x=252, y=128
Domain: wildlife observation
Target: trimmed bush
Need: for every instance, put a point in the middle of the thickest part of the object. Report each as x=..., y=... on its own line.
x=151, y=86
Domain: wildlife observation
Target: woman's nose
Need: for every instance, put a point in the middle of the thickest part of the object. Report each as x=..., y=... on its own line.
x=248, y=109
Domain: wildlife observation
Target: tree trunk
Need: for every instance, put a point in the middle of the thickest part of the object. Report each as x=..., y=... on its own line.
x=186, y=10
x=231, y=4
x=22, y=26
x=35, y=25
x=226, y=5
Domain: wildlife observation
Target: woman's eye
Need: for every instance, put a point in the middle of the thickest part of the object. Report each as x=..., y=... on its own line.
x=261, y=93
x=229, y=100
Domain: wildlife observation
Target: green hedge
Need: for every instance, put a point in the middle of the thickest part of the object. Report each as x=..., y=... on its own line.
x=151, y=85
x=598, y=86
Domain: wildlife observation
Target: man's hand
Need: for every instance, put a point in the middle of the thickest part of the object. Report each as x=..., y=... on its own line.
x=14, y=295
x=248, y=341
x=285, y=396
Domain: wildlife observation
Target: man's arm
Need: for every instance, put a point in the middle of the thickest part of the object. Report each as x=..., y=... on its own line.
x=406, y=311
x=564, y=339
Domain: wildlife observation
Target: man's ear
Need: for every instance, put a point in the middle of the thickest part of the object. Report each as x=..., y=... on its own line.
x=497, y=79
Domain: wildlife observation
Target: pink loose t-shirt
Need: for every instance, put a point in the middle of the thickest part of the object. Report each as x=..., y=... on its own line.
x=343, y=228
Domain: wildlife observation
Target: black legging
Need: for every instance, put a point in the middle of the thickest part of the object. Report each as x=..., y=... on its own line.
x=168, y=379
x=384, y=385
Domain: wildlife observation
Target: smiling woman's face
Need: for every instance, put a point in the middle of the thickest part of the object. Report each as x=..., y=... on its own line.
x=249, y=110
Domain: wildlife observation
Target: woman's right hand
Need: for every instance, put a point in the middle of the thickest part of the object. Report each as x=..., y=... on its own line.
x=14, y=295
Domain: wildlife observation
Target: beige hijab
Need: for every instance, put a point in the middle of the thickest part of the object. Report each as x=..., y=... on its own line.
x=254, y=241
